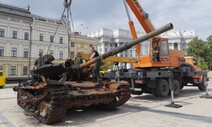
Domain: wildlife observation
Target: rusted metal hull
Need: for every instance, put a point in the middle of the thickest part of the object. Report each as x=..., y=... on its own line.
x=49, y=104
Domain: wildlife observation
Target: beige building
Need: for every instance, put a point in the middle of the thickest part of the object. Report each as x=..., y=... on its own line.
x=23, y=35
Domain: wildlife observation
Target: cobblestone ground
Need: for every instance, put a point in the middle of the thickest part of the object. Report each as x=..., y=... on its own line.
x=139, y=111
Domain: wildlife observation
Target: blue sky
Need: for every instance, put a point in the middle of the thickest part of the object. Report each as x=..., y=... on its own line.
x=95, y=14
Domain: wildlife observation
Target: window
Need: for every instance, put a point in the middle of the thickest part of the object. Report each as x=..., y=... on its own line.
x=40, y=51
x=105, y=49
x=164, y=49
x=14, y=52
x=145, y=48
x=51, y=52
x=61, y=40
x=126, y=53
x=25, y=69
x=81, y=45
x=51, y=38
x=176, y=46
x=1, y=67
x=72, y=54
x=12, y=70
x=14, y=34
x=26, y=53
x=1, y=51
x=72, y=44
x=41, y=37
x=26, y=36
x=61, y=55
x=1, y=32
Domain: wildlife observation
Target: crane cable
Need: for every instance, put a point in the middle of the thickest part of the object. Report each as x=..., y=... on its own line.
x=56, y=31
x=66, y=4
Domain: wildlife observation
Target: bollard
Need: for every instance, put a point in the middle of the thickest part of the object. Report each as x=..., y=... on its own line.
x=171, y=87
x=206, y=82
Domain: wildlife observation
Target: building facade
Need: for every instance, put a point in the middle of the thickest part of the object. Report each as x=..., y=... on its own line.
x=24, y=35
x=110, y=39
x=180, y=39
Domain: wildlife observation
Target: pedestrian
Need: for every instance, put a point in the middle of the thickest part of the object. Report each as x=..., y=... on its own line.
x=96, y=66
x=78, y=59
x=38, y=61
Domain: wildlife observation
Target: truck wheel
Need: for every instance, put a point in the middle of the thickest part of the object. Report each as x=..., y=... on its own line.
x=162, y=88
x=202, y=86
x=176, y=86
x=183, y=84
x=1, y=87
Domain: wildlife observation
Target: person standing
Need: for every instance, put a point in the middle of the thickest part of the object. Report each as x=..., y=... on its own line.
x=155, y=52
x=78, y=59
x=38, y=61
x=96, y=66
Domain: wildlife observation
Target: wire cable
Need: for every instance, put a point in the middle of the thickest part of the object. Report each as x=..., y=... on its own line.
x=56, y=30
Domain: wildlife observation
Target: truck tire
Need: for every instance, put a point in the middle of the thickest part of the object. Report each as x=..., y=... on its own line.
x=179, y=79
x=183, y=84
x=176, y=86
x=201, y=85
x=162, y=88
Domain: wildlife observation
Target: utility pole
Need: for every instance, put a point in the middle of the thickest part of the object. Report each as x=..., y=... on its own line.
x=30, y=49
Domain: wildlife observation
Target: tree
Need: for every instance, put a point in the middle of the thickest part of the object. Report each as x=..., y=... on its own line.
x=196, y=48
x=209, y=56
x=201, y=50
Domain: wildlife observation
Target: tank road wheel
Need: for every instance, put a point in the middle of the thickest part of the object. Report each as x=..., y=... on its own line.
x=162, y=88
x=119, y=98
x=201, y=85
x=44, y=109
x=176, y=86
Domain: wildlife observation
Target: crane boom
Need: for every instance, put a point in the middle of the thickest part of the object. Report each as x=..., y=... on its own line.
x=141, y=15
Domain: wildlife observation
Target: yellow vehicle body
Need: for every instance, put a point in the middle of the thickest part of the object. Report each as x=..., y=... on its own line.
x=2, y=79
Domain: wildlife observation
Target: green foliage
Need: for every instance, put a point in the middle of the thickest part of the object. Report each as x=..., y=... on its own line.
x=196, y=48
x=203, y=50
x=202, y=64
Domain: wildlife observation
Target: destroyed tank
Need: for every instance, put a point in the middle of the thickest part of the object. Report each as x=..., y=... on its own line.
x=54, y=88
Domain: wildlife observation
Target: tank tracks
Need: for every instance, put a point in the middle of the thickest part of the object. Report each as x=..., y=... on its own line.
x=50, y=104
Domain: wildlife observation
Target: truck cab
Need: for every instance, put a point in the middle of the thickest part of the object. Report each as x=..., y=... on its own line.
x=166, y=56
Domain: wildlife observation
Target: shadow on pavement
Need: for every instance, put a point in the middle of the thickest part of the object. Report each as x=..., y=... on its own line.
x=89, y=115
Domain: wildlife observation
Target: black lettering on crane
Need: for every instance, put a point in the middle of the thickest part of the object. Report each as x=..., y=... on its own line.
x=138, y=5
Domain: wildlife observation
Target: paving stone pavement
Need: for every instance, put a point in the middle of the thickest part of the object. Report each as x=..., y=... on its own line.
x=139, y=111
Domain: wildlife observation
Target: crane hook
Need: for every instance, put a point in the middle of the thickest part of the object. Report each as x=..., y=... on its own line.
x=67, y=3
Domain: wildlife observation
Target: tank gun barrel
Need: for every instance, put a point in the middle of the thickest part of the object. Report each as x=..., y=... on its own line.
x=128, y=45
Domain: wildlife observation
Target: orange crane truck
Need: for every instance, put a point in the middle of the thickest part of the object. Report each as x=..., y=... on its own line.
x=150, y=75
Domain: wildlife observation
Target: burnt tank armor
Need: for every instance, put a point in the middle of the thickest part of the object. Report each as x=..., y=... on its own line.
x=54, y=88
